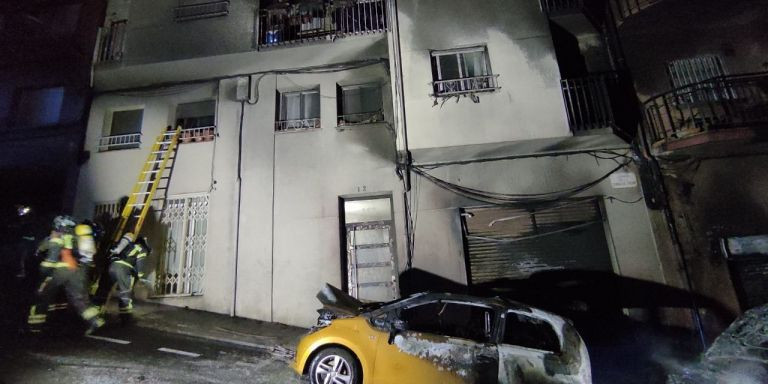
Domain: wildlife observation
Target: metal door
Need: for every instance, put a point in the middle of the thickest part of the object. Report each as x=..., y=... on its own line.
x=371, y=267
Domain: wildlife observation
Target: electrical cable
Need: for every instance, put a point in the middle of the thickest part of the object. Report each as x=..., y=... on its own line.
x=612, y=198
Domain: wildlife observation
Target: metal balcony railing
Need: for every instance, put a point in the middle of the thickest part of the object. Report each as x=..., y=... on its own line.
x=549, y=6
x=197, y=134
x=110, y=143
x=111, y=42
x=718, y=103
x=199, y=10
x=622, y=9
x=360, y=118
x=293, y=24
x=454, y=87
x=297, y=125
x=588, y=101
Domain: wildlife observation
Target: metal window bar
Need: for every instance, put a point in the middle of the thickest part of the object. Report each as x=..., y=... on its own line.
x=109, y=143
x=718, y=103
x=297, y=125
x=193, y=11
x=588, y=101
x=112, y=42
x=625, y=8
x=360, y=118
x=284, y=26
x=197, y=134
x=465, y=85
x=549, y=6
x=181, y=266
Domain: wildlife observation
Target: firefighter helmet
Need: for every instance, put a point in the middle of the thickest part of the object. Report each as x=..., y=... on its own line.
x=63, y=223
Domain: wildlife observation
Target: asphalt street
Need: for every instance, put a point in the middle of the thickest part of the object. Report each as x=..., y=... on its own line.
x=136, y=355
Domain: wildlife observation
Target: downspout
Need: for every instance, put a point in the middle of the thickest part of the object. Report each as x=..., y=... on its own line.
x=403, y=162
x=674, y=235
x=233, y=311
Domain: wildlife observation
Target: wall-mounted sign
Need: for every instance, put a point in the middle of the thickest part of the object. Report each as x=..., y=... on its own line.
x=623, y=179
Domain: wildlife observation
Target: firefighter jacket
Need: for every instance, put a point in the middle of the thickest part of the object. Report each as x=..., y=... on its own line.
x=133, y=256
x=56, y=250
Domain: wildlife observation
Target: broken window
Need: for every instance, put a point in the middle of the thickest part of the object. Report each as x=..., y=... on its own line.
x=298, y=110
x=460, y=320
x=463, y=70
x=359, y=104
x=530, y=332
x=197, y=120
x=124, y=130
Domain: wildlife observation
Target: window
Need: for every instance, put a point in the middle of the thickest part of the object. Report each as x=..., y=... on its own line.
x=359, y=104
x=39, y=107
x=693, y=70
x=200, y=9
x=464, y=70
x=298, y=110
x=197, y=120
x=451, y=319
x=530, y=332
x=124, y=130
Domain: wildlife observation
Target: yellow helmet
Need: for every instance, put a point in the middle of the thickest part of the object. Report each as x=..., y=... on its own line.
x=83, y=230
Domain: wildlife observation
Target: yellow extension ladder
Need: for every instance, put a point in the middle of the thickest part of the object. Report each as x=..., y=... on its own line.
x=147, y=183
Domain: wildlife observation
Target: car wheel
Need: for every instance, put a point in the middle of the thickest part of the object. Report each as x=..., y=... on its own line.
x=334, y=366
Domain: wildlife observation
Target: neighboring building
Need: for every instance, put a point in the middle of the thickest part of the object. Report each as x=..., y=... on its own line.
x=300, y=116
x=700, y=71
x=46, y=50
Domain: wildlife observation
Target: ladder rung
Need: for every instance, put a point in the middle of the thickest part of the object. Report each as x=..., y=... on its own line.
x=164, y=142
x=155, y=161
x=137, y=205
x=146, y=182
x=155, y=171
x=160, y=152
x=141, y=193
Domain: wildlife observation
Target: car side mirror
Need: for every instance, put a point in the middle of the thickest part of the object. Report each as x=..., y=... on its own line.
x=395, y=326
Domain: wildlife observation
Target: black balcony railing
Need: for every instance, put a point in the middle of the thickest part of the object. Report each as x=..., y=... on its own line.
x=600, y=101
x=304, y=21
x=550, y=6
x=719, y=103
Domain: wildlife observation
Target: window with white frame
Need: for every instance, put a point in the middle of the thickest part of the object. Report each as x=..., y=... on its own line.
x=124, y=130
x=298, y=110
x=200, y=9
x=462, y=70
x=359, y=104
x=197, y=120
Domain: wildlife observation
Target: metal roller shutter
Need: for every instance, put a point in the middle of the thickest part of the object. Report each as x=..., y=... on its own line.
x=515, y=243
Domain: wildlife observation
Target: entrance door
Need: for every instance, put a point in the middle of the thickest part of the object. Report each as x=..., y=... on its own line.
x=371, y=267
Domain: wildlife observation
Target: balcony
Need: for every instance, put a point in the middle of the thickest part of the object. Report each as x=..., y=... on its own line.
x=715, y=110
x=360, y=118
x=300, y=22
x=111, y=42
x=198, y=10
x=116, y=142
x=622, y=9
x=600, y=102
x=197, y=134
x=579, y=17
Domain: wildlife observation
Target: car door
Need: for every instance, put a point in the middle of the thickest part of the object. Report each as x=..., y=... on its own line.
x=443, y=342
x=531, y=350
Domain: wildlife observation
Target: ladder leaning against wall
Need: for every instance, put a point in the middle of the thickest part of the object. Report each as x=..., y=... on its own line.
x=155, y=171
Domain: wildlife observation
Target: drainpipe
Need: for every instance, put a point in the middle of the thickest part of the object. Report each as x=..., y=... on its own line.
x=674, y=234
x=404, y=163
x=233, y=311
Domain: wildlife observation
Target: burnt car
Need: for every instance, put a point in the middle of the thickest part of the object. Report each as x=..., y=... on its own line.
x=439, y=338
x=738, y=355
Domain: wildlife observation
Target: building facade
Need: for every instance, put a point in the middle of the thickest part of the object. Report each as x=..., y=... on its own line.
x=350, y=141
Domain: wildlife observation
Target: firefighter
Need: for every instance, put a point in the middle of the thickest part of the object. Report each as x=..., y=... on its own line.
x=59, y=269
x=126, y=264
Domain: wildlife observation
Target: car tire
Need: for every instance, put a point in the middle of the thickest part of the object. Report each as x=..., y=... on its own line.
x=341, y=365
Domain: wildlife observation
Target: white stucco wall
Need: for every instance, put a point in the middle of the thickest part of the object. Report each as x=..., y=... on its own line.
x=529, y=104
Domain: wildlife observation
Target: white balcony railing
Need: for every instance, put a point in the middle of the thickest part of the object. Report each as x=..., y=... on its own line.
x=110, y=143
x=190, y=135
x=360, y=118
x=111, y=42
x=297, y=125
x=465, y=85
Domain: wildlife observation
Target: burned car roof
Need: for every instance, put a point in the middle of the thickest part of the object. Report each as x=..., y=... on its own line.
x=341, y=303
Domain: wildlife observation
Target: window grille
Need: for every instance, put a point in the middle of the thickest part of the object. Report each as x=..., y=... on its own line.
x=182, y=265
x=198, y=121
x=359, y=104
x=465, y=70
x=298, y=110
x=694, y=70
x=111, y=42
x=200, y=9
